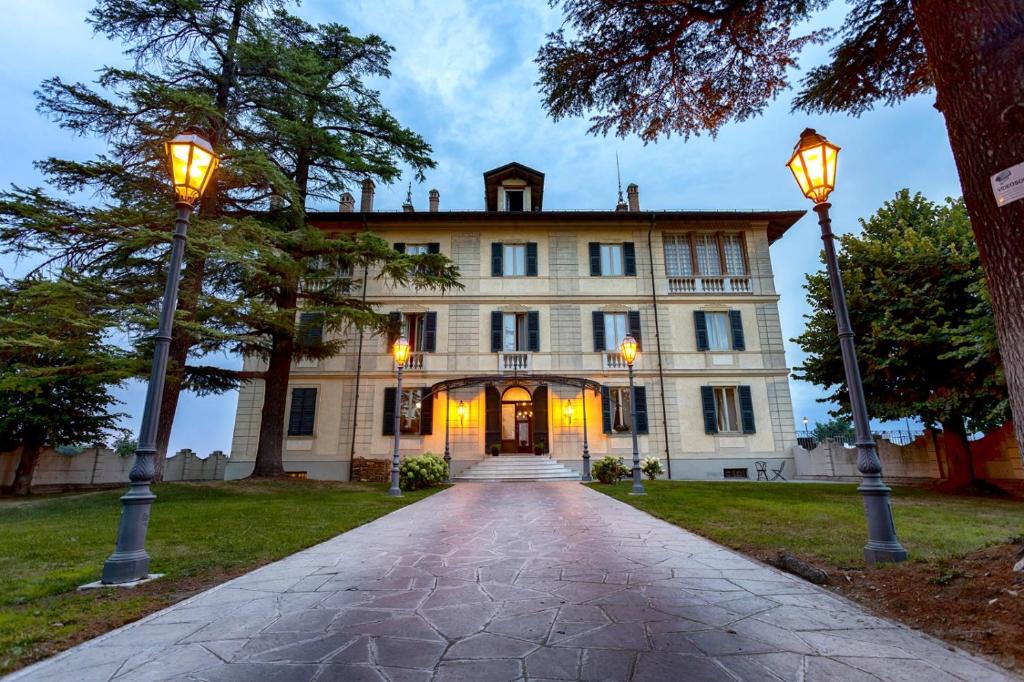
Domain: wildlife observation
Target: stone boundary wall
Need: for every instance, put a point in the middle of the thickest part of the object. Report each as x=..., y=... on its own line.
x=371, y=470
x=996, y=458
x=101, y=466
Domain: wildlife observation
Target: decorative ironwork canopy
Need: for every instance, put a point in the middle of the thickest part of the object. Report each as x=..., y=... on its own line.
x=529, y=380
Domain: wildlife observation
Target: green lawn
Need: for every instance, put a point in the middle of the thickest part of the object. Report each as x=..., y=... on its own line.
x=824, y=520
x=200, y=534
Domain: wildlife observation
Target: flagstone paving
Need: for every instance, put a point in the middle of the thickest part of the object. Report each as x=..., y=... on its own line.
x=545, y=581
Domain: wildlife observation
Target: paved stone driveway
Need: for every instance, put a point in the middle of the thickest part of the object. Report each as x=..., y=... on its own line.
x=512, y=581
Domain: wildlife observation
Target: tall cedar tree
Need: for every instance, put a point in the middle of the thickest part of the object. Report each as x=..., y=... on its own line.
x=916, y=294
x=56, y=370
x=688, y=66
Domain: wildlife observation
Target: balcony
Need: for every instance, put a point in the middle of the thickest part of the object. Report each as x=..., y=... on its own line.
x=415, y=361
x=709, y=285
x=612, y=360
x=514, y=362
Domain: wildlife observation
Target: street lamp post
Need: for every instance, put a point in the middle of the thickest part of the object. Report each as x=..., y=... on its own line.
x=400, y=351
x=814, y=166
x=191, y=163
x=629, y=348
x=807, y=433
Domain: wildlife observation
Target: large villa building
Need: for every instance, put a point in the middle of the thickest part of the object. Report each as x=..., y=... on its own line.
x=525, y=357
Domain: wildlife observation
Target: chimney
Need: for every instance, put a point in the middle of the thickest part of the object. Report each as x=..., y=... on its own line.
x=366, y=202
x=347, y=203
x=435, y=200
x=633, y=193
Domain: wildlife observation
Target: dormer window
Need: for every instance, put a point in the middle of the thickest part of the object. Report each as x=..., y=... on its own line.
x=514, y=188
x=514, y=199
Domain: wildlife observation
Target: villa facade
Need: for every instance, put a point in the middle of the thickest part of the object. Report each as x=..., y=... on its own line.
x=526, y=353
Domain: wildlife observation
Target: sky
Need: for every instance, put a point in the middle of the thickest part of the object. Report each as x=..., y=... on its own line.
x=463, y=77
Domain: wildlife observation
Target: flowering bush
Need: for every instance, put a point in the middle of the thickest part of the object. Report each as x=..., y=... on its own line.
x=651, y=466
x=425, y=471
x=609, y=470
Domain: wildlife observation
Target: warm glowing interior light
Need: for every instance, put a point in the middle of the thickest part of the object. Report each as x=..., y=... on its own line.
x=192, y=162
x=567, y=413
x=401, y=351
x=813, y=165
x=462, y=410
x=629, y=349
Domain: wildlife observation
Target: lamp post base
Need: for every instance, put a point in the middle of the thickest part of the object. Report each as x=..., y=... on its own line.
x=130, y=561
x=638, y=491
x=882, y=545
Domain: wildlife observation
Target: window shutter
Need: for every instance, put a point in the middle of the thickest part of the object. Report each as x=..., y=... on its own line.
x=426, y=415
x=302, y=414
x=497, y=259
x=540, y=417
x=389, y=411
x=433, y=247
x=496, y=330
x=736, y=321
x=640, y=403
x=707, y=401
x=531, y=259
x=394, y=329
x=606, y=410
x=700, y=323
x=430, y=332
x=629, y=259
x=533, y=331
x=598, y=331
x=634, y=328
x=747, y=409
x=595, y=259
x=492, y=423
x=400, y=247
x=311, y=328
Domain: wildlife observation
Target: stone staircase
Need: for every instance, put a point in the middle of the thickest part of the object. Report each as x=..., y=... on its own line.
x=518, y=468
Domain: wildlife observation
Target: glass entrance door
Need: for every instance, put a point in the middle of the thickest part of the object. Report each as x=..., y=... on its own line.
x=517, y=427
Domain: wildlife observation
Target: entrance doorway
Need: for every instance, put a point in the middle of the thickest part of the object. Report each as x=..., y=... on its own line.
x=517, y=421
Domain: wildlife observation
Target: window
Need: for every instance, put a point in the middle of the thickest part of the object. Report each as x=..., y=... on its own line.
x=732, y=249
x=514, y=259
x=514, y=332
x=414, y=328
x=409, y=410
x=514, y=200
x=302, y=413
x=417, y=249
x=615, y=326
x=719, y=332
x=726, y=409
x=621, y=410
x=708, y=259
x=678, y=258
x=611, y=259
x=415, y=415
x=735, y=473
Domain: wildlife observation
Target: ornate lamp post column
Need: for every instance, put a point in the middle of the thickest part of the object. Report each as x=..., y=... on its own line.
x=400, y=351
x=191, y=162
x=814, y=166
x=629, y=350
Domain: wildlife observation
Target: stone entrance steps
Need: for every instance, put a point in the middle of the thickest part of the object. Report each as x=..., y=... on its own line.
x=518, y=468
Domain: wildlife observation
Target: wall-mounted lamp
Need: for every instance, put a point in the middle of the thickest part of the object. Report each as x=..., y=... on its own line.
x=462, y=411
x=567, y=413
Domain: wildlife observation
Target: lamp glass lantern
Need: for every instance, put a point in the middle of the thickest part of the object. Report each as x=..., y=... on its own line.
x=629, y=348
x=567, y=413
x=813, y=165
x=191, y=162
x=462, y=410
x=400, y=351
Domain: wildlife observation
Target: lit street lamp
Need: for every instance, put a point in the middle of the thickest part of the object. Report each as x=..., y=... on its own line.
x=191, y=162
x=629, y=349
x=806, y=432
x=400, y=351
x=814, y=166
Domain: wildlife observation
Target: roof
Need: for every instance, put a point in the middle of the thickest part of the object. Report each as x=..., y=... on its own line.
x=778, y=221
x=494, y=177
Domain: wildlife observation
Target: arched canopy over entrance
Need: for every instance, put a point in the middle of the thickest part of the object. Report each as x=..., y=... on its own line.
x=516, y=394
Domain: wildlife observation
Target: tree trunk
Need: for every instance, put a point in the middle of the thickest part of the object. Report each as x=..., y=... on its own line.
x=957, y=450
x=269, y=460
x=22, y=484
x=976, y=55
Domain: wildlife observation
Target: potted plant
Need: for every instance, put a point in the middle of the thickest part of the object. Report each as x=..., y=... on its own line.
x=495, y=449
x=538, y=447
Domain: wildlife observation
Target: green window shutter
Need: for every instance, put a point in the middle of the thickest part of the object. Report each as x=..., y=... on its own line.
x=747, y=410
x=594, y=249
x=533, y=331
x=492, y=422
x=433, y=247
x=390, y=393
x=311, y=328
x=736, y=322
x=640, y=403
x=496, y=330
x=400, y=247
x=302, y=414
x=629, y=259
x=606, y=410
x=598, y=331
x=531, y=259
x=426, y=415
x=700, y=323
x=540, y=417
x=633, y=317
x=707, y=402
x=497, y=259
x=430, y=332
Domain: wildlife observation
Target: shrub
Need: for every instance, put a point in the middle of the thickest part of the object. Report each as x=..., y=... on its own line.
x=609, y=470
x=425, y=471
x=125, y=446
x=651, y=466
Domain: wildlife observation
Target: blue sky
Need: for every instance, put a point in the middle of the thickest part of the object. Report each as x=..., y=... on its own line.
x=463, y=77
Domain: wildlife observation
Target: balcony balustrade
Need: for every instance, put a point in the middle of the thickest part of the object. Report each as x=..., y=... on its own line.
x=709, y=285
x=514, y=362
